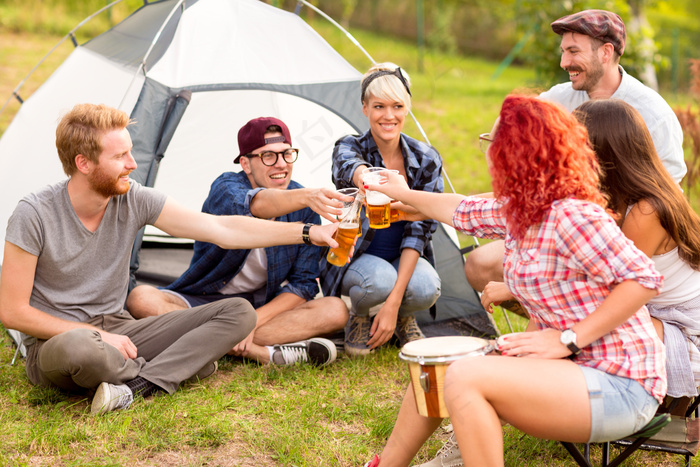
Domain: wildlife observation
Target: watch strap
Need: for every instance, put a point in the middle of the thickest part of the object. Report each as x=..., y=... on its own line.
x=305, y=234
x=575, y=350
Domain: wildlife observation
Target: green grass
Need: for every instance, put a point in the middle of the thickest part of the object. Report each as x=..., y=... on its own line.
x=248, y=414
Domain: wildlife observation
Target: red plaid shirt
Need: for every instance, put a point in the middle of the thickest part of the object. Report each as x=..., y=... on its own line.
x=564, y=268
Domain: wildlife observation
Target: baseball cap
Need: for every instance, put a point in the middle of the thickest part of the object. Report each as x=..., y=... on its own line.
x=600, y=24
x=252, y=135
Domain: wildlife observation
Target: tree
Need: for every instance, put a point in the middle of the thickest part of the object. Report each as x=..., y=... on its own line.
x=543, y=52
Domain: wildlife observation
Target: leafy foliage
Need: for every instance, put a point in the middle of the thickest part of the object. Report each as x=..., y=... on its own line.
x=543, y=53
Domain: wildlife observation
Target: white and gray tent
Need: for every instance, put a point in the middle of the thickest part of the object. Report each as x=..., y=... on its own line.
x=190, y=73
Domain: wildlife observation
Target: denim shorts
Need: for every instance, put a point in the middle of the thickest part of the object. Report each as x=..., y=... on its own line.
x=619, y=406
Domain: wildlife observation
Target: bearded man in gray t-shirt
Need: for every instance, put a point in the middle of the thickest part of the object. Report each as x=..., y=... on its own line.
x=65, y=274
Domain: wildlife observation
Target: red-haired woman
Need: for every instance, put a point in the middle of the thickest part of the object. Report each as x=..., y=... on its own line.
x=590, y=366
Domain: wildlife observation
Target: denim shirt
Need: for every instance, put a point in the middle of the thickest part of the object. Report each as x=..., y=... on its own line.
x=423, y=166
x=213, y=267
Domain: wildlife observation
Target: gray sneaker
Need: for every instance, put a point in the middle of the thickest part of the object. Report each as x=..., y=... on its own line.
x=407, y=330
x=110, y=397
x=357, y=335
x=447, y=456
x=318, y=351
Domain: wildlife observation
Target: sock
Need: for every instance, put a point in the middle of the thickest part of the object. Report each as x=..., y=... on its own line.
x=141, y=387
x=270, y=349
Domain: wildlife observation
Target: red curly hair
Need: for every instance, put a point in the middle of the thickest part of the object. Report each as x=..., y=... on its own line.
x=540, y=154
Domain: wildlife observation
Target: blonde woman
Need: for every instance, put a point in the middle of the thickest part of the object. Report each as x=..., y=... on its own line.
x=393, y=266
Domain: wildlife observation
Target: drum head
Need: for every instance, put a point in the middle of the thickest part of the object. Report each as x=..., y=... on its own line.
x=444, y=347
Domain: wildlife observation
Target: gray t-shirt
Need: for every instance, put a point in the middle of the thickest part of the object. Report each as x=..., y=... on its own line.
x=81, y=274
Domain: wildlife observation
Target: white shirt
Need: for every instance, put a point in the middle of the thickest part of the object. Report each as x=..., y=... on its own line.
x=252, y=276
x=681, y=282
x=666, y=131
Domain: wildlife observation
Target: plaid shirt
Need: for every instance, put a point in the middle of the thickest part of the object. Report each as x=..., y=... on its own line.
x=212, y=267
x=423, y=166
x=562, y=271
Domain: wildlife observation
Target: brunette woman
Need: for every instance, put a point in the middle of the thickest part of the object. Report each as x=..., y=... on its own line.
x=653, y=213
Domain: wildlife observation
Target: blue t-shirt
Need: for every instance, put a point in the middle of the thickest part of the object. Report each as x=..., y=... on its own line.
x=387, y=242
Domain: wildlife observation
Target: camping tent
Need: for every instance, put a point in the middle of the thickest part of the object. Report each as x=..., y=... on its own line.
x=190, y=73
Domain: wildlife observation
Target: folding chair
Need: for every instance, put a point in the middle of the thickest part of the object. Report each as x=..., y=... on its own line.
x=681, y=436
x=654, y=426
x=675, y=434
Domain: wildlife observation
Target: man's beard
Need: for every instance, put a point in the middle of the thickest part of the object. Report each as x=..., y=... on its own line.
x=105, y=185
x=593, y=75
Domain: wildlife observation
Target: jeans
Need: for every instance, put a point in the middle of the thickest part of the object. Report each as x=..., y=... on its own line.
x=369, y=280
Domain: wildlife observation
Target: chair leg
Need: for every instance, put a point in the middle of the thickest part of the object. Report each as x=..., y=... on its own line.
x=626, y=453
x=605, y=454
x=576, y=454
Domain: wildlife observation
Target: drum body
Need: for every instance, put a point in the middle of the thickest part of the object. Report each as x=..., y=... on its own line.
x=428, y=360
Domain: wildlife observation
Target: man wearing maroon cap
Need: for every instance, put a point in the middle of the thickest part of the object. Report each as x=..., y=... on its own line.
x=592, y=42
x=280, y=282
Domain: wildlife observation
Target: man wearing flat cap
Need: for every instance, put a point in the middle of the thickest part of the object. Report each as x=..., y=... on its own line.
x=280, y=282
x=592, y=42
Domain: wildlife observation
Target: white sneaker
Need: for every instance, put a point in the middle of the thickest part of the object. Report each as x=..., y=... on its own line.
x=110, y=397
x=317, y=351
x=447, y=456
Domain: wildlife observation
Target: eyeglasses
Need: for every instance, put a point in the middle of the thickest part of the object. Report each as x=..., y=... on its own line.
x=269, y=158
x=484, y=141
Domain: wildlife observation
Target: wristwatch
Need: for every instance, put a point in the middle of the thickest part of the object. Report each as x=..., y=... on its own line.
x=305, y=234
x=568, y=338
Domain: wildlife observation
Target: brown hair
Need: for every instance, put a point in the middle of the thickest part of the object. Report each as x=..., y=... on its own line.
x=80, y=131
x=632, y=171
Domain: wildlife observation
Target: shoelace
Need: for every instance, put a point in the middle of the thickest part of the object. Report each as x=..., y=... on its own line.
x=124, y=399
x=447, y=448
x=362, y=329
x=410, y=329
x=295, y=353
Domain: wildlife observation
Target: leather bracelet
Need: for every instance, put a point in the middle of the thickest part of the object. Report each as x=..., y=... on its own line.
x=305, y=234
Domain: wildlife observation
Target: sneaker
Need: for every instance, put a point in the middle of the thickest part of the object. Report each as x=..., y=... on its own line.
x=110, y=397
x=374, y=462
x=357, y=335
x=206, y=371
x=317, y=351
x=447, y=456
x=407, y=330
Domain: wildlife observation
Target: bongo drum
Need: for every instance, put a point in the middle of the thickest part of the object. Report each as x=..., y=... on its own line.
x=428, y=360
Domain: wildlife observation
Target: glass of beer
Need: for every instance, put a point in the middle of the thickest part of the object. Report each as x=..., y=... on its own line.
x=348, y=229
x=345, y=236
x=378, y=204
x=347, y=204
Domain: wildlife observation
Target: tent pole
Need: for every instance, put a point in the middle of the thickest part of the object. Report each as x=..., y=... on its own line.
x=354, y=41
x=70, y=35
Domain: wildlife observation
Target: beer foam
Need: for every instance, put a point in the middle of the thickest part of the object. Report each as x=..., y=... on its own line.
x=375, y=198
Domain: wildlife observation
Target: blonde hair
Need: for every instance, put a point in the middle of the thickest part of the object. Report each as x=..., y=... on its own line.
x=80, y=131
x=382, y=81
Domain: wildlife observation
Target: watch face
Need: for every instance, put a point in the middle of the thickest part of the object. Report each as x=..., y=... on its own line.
x=568, y=337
